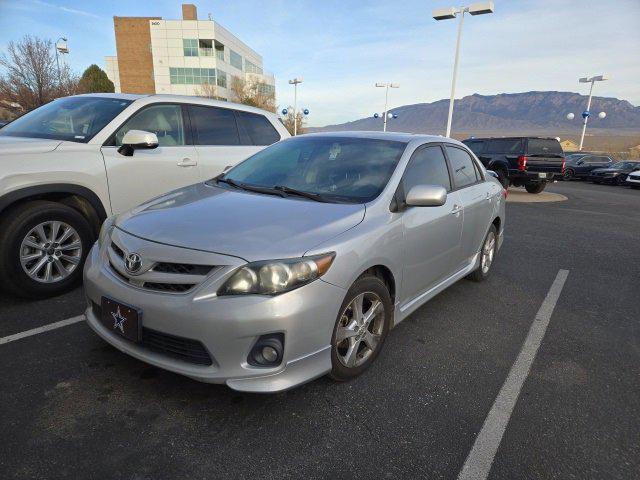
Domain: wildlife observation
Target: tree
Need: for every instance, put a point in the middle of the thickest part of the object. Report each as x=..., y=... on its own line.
x=31, y=75
x=254, y=92
x=95, y=80
x=207, y=90
x=288, y=121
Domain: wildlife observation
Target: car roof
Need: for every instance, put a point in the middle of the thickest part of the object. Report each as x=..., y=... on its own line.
x=116, y=96
x=508, y=138
x=391, y=136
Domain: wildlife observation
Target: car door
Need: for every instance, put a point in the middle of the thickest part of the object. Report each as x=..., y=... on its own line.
x=150, y=172
x=431, y=234
x=476, y=198
x=224, y=137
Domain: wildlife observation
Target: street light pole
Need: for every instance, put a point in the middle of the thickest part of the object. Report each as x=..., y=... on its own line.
x=295, y=83
x=386, y=86
x=586, y=113
x=453, y=12
x=63, y=49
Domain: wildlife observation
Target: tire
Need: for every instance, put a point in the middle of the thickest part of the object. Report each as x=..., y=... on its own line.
x=489, y=249
x=503, y=178
x=370, y=288
x=619, y=181
x=58, y=268
x=568, y=174
x=535, y=187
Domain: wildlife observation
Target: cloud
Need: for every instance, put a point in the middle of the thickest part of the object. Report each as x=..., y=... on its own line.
x=73, y=11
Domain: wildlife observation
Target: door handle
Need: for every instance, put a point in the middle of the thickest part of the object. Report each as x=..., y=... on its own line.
x=456, y=210
x=187, y=162
x=489, y=197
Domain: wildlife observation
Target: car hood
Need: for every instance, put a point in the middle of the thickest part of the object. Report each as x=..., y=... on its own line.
x=243, y=224
x=12, y=145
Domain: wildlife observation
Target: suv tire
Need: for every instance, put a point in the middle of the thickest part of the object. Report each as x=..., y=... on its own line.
x=535, y=187
x=371, y=289
x=51, y=240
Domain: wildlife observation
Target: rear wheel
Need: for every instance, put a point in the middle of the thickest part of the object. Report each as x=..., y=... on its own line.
x=361, y=327
x=43, y=248
x=568, y=174
x=487, y=255
x=535, y=187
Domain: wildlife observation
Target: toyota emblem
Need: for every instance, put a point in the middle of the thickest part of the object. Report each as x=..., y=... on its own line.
x=133, y=263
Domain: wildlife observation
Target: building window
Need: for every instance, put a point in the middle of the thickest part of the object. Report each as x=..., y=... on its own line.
x=219, y=51
x=205, y=48
x=235, y=59
x=266, y=89
x=190, y=47
x=251, y=67
x=222, y=78
x=192, y=76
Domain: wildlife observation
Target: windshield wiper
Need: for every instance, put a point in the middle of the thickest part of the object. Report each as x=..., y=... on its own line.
x=301, y=193
x=228, y=181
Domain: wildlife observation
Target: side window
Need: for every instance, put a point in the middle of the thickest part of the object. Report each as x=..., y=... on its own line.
x=259, y=129
x=163, y=120
x=464, y=172
x=507, y=146
x=427, y=167
x=213, y=126
x=475, y=146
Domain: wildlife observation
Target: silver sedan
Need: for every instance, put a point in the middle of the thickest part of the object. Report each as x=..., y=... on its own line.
x=298, y=261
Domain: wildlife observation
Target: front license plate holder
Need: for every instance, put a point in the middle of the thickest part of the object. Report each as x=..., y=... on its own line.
x=121, y=319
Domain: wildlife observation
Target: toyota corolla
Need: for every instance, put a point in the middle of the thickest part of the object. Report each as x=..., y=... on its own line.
x=298, y=261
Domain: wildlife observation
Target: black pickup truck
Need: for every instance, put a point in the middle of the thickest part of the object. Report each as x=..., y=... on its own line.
x=531, y=162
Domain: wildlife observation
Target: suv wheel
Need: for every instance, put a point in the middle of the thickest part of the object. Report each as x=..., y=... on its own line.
x=43, y=248
x=361, y=327
x=568, y=174
x=535, y=187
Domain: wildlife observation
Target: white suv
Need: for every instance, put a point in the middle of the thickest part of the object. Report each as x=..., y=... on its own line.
x=67, y=165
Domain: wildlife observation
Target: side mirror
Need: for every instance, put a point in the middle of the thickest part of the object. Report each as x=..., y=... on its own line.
x=426, y=196
x=493, y=174
x=227, y=168
x=137, y=140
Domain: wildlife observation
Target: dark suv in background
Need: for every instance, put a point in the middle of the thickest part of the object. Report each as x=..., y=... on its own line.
x=530, y=162
x=579, y=165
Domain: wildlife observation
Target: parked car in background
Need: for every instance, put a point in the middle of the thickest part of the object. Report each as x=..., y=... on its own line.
x=615, y=174
x=578, y=165
x=633, y=179
x=531, y=162
x=298, y=261
x=68, y=165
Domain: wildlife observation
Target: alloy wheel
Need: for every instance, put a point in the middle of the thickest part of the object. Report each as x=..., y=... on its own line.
x=488, y=252
x=50, y=252
x=360, y=329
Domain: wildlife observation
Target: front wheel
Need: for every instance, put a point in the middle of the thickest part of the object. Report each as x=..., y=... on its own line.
x=535, y=187
x=361, y=327
x=568, y=174
x=43, y=246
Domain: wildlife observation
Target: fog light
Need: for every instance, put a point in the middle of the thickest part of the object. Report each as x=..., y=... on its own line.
x=267, y=351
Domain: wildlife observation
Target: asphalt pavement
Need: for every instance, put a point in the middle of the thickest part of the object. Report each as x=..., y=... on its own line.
x=73, y=407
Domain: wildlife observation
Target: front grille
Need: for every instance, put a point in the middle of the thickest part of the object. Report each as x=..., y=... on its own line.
x=168, y=287
x=180, y=348
x=117, y=250
x=182, y=268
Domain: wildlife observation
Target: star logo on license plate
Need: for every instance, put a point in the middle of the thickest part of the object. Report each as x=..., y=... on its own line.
x=118, y=320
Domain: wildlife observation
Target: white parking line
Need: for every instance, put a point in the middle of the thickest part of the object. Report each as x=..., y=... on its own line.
x=478, y=463
x=44, y=328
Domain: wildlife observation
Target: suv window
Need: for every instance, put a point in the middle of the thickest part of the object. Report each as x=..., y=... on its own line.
x=464, y=173
x=163, y=120
x=505, y=145
x=544, y=146
x=213, y=126
x=427, y=167
x=475, y=145
x=259, y=129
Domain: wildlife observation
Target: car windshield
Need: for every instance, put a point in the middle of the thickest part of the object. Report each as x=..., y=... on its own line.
x=76, y=119
x=340, y=169
x=622, y=165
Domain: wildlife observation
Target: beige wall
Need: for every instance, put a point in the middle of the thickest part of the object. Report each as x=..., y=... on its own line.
x=133, y=47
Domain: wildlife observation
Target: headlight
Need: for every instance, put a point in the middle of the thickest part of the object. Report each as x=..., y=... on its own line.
x=272, y=277
x=105, y=230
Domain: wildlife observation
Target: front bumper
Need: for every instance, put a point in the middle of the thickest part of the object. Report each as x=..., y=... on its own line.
x=633, y=181
x=227, y=327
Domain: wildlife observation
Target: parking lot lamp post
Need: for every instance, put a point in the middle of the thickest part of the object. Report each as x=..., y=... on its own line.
x=449, y=13
x=586, y=113
x=295, y=83
x=61, y=46
x=386, y=86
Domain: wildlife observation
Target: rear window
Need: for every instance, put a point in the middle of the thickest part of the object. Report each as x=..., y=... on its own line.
x=259, y=129
x=464, y=172
x=544, y=146
x=505, y=145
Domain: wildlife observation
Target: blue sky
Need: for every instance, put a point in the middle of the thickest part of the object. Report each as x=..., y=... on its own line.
x=343, y=47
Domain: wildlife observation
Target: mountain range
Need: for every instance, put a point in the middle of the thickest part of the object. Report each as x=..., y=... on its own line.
x=508, y=113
